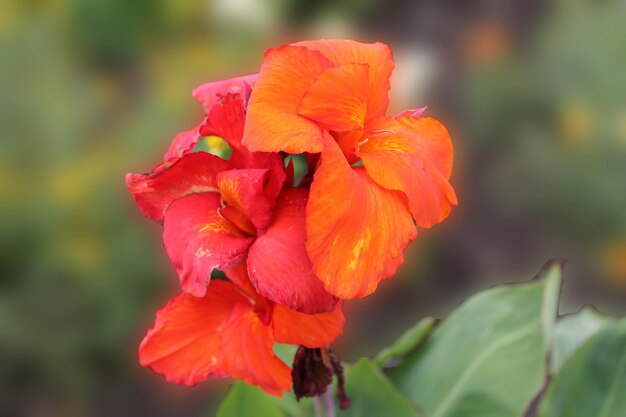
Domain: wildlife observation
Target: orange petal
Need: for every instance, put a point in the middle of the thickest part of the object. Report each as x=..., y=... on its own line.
x=184, y=343
x=216, y=335
x=273, y=123
x=337, y=100
x=245, y=190
x=279, y=264
x=247, y=352
x=198, y=240
x=376, y=55
x=310, y=330
x=356, y=229
x=412, y=155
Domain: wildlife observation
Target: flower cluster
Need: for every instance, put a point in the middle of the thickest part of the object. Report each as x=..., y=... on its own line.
x=291, y=252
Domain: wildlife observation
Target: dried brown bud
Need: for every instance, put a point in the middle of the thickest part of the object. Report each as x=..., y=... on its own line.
x=313, y=371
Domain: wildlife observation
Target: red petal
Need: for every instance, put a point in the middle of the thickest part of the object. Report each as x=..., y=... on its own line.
x=209, y=93
x=183, y=144
x=263, y=160
x=376, y=55
x=310, y=330
x=197, y=240
x=290, y=173
x=226, y=119
x=278, y=262
x=184, y=344
x=224, y=102
x=194, y=173
x=247, y=352
x=337, y=100
x=413, y=155
x=244, y=189
x=356, y=230
x=273, y=123
x=238, y=275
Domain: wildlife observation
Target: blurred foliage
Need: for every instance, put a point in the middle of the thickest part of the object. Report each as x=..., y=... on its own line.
x=408, y=341
x=246, y=400
x=548, y=123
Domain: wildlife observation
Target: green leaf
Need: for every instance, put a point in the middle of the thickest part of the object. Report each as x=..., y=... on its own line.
x=285, y=352
x=292, y=407
x=592, y=382
x=572, y=331
x=246, y=400
x=408, y=341
x=288, y=402
x=488, y=358
x=373, y=395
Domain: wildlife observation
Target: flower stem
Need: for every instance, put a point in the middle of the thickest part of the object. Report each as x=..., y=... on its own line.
x=329, y=402
x=324, y=405
x=317, y=406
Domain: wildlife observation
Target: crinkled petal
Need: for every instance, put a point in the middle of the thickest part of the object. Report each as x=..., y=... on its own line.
x=184, y=344
x=413, y=155
x=194, y=173
x=183, y=143
x=337, y=100
x=279, y=264
x=224, y=103
x=376, y=55
x=263, y=160
x=310, y=330
x=208, y=94
x=198, y=239
x=226, y=119
x=273, y=123
x=244, y=190
x=356, y=230
x=247, y=352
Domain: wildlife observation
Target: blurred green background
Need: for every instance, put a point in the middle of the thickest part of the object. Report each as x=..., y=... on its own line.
x=533, y=92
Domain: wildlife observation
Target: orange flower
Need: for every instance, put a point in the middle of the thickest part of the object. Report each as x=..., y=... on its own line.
x=231, y=331
x=330, y=97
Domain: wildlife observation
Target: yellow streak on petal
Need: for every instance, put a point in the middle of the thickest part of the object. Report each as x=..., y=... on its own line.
x=362, y=244
x=221, y=225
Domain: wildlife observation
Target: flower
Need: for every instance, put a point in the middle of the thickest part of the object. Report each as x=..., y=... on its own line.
x=217, y=214
x=378, y=175
x=231, y=331
x=290, y=254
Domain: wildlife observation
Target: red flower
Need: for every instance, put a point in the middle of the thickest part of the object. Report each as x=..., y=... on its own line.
x=230, y=331
x=216, y=212
x=331, y=97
